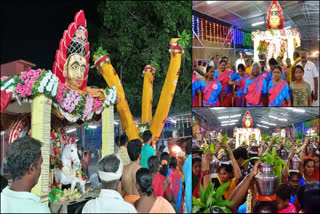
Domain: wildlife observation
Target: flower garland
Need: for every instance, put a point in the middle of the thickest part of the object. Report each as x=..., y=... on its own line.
x=142, y=128
x=71, y=104
x=270, y=34
x=175, y=48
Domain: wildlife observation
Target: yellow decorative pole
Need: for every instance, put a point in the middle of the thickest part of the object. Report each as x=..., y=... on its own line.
x=168, y=90
x=146, y=115
x=111, y=77
x=107, y=131
x=40, y=130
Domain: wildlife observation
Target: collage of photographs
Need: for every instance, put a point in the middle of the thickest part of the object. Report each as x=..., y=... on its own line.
x=160, y=107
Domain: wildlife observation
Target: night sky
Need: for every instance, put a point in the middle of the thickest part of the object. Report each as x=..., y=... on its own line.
x=31, y=30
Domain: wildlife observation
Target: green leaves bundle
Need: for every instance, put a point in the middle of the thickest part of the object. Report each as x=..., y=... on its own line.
x=210, y=199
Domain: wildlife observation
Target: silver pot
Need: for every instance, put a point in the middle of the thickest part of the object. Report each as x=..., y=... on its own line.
x=214, y=164
x=254, y=146
x=266, y=181
x=225, y=157
x=284, y=153
x=232, y=144
x=295, y=161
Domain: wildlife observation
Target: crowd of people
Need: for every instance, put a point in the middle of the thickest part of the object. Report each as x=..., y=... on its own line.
x=134, y=179
x=298, y=191
x=219, y=83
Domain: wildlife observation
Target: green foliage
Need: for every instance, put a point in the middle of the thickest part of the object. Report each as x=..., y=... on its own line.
x=155, y=65
x=100, y=52
x=287, y=144
x=272, y=158
x=265, y=137
x=206, y=148
x=134, y=33
x=184, y=39
x=276, y=139
x=224, y=138
x=211, y=199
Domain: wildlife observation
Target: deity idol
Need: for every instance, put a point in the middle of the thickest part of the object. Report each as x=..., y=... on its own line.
x=275, y=19
x=72, y=60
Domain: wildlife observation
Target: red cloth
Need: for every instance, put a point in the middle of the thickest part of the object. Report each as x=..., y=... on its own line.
x=316, y=174
x=254, y=91
x=157, y=184
x=291, y=209
x=5, y=99
x=196, y=191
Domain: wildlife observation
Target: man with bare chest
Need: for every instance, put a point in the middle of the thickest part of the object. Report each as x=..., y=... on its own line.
x=128, y=185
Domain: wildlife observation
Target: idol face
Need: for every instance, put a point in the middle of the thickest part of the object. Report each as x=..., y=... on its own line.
x=274, y=22
x=75, y=67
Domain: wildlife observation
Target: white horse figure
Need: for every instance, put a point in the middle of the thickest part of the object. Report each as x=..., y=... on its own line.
x=71, y=164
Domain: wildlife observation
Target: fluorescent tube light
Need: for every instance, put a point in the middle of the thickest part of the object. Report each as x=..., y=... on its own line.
x=236, y=115
x=282, y=119
x=287, y=27
x=262, y=126
x=298, y=110
x=223, y=117
x=268, y=123
x=210, y=2
x=71, y=130
x=115, y=123
x=257, y=23
x=218, y=108
x=92, y=126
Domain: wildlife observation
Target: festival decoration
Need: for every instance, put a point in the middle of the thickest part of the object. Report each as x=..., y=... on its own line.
x=247, y=133
x=275, y=41
x=247, y=120
x=147, y=94
x=70, y=166
x=61, y=94
x=111, y=77
x=275, y=19
x=71, y=104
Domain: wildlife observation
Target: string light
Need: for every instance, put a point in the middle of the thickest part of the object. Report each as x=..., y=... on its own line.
x=193, y=29
x=201, y=28
x=205, y=30
x=210, y=25
x=198, y=26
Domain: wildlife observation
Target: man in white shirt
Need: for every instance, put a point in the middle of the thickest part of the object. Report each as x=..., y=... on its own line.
x=211, y=62
x=109, y=201
x=310, y=75
x=24, y=164
x=240, y=60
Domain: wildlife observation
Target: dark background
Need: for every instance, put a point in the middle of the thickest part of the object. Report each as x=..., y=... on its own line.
x=31, y=30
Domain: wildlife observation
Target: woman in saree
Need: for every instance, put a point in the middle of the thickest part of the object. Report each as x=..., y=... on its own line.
x=223, y=77
x=272, y=64
x=197, y=176
x=239, y=80
x=210, y=89
x=148, y=203
x=176, y=183
x=278, y=90
x=160, y=184
x=196, y=91
x=255, y=89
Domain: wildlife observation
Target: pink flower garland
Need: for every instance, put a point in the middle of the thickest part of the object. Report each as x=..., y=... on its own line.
x=97, y=104
x=88, y=107
x=61, y=91
x=28, y=78
x=71, y=100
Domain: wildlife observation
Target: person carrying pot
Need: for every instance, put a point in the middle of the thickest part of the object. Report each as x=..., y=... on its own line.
x=226, y=172
x=252, y=205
